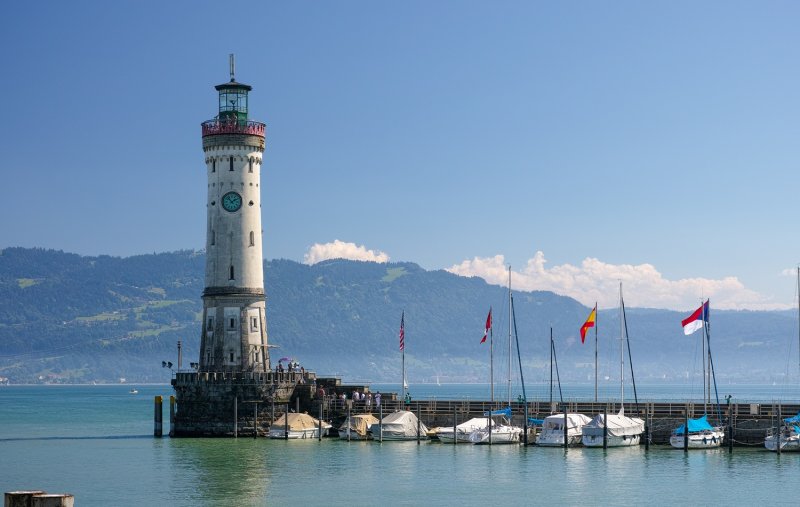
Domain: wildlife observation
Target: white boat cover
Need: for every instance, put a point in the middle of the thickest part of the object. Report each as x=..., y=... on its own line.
x=359, y=423
x=298, y=422
x=401, y=423
x=476, y=423
x=619, y=425
x=575, y=422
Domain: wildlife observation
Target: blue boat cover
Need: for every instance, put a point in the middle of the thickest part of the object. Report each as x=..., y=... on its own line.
x=506, y=412
x=792, y=420
x=699, y=424
x=535, y=422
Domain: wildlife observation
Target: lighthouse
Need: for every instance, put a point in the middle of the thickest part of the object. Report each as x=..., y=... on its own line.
x=232, y=389
x=234, y=331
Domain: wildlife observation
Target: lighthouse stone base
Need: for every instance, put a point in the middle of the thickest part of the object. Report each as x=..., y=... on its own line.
x=224, y=404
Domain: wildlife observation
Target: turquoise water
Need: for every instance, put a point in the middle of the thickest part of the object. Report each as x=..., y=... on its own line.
x=95, y=442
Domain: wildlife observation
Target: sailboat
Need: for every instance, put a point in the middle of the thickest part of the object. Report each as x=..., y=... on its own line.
x=787, y=436
x=501, y=431
x=700, y=433
x=402, y=424
x=620, y=430
x=552, y=433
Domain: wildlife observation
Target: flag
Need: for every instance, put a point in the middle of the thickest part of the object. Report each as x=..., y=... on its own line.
x=589, y=323
x=695, y=321
x=403, y=331
x=488, y=326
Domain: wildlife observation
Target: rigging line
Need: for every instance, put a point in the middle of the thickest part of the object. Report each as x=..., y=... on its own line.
x=558, y=377
x=711, y=365
x=630, y=359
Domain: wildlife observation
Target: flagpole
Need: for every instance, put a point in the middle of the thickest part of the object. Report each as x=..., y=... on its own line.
x=595, y=351
x=491, y=366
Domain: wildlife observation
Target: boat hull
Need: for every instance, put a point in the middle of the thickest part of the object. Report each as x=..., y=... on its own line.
x=280, y=433
x=611, y=441
x=500, y=435
x=556, y=439
x=702, y=440
x=790, y=443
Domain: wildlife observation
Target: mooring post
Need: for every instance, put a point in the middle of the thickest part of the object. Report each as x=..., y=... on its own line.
x=380, y=424
x=172, y=415
x=319, y=436
x=646, y=426
x=605, y=426
x=566, y=429
x=286, y=423
x=235, y=417
x=418, y=421
x=686, y=430
x=157, y=415
x=730, y=425
x=778, y=422
x=455, y=435
x=255, y=420
x=349, y=421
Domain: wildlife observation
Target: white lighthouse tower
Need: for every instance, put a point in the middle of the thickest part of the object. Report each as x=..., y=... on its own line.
x=234, y=333
x=233, y=389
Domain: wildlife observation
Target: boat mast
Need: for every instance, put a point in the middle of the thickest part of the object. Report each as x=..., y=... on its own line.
x=798, y=313
x=551, y=369
x=621, y=345
x=706, y=394
x=403, y=353
x=509, y=335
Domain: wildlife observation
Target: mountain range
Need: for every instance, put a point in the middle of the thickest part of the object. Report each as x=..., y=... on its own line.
x=66, y=318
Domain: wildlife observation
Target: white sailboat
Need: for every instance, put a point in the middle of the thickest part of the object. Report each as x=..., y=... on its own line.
x=500, y=431
x=620, y=430
x=787, y=436
x=699, y=434
x=552, y=432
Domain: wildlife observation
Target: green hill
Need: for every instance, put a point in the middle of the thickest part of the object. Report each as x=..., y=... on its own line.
x=68, y=318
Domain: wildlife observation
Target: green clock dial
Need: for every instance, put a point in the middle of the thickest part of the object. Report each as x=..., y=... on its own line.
x=231, y=201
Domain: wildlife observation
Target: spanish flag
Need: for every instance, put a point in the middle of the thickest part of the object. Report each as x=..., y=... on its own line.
x=589, y=323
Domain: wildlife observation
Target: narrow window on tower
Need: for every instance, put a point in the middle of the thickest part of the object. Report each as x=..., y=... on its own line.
x=214, y=165
x=231, y=278
x=252, y=239
x=231, y=164
x=233, y=323
x=251, y=165
x=210, y=324
x=231, y=356
x=213, y=237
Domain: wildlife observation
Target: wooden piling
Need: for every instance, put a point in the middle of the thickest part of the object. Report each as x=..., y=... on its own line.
x=566, y=429
x=686, y=431
x=53, y=500
x=455, y=435
x=778, y=433
x=172, y=415
x=20, y=498
x=418, y=422
x=158, y=426
x=605, y=426
x=235, y=417
x=286, y=423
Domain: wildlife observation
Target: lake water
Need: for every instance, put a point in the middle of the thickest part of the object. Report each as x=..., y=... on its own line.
x=96, y=443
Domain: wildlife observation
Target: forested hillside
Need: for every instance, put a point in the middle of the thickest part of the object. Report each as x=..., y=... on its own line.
x=68, y=318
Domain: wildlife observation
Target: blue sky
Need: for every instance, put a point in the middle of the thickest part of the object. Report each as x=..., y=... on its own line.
x=580, y=142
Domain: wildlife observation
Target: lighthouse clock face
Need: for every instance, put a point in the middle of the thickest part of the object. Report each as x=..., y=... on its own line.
x=231, y=201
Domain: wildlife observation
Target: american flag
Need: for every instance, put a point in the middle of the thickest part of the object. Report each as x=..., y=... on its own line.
x=402, y=331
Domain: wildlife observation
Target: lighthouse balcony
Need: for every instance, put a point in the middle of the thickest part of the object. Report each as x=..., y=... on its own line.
x=233, y=126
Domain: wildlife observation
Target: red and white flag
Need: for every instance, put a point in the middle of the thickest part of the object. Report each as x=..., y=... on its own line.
x=403, y=331
x=488, y=326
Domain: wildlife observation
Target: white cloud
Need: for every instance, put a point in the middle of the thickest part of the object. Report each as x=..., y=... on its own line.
x=594, y=280
x=319, y=252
